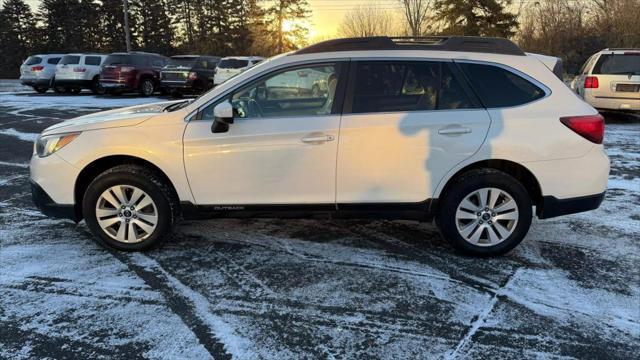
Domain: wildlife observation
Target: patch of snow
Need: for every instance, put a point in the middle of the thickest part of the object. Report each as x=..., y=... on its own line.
x=21, y=103
x=31, y=137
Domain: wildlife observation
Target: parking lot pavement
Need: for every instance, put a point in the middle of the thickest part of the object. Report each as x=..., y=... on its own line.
x=312, y=288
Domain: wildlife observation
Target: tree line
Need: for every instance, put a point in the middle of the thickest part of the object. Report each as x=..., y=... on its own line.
x=571, y=29
x=216, y=27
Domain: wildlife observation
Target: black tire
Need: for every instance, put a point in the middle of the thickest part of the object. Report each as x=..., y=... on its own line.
x=96, y=88
x=41, y=89
x=147, y=87
x=59, y=89
x=75, y=90
x=465, y=185
x=148, y=181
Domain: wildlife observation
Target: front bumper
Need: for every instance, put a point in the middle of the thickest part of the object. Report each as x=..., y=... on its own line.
x=47, y=206
x=552, y=207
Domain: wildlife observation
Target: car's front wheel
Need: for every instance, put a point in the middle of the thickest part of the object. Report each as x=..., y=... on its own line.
x=130, y=208
x=485, y=212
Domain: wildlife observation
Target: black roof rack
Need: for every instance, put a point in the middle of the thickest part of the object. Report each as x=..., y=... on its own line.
x=492, y=45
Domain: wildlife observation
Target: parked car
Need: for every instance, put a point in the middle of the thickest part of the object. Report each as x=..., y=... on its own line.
x=75, y=72
x=610, y=80
x=310, y=81
x=188, y=74
x=469, y=132
x=38, y=71
x=133, y=71
x=232, y=66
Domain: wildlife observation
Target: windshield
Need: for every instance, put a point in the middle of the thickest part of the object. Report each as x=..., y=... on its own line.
x=618, y=64
x=32, y=60
x=181, y=62
x=233, y=63
x=70, y=60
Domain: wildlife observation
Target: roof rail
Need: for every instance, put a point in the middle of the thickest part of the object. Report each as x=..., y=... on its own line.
x=491, y=45
x=620, y=49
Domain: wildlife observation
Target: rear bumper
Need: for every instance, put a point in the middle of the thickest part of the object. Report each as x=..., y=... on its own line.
x=177, y=85
x=47, y=206
x=624, y=102
x=552, y=207
x=73, y=83
x=35, y=81
x=119, y=84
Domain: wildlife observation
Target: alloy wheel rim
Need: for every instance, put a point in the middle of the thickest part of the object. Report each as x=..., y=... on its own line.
x=148, y=87
x=487, y=216
x=126, y=213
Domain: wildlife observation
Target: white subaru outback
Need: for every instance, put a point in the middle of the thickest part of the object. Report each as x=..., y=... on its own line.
x=469, y=132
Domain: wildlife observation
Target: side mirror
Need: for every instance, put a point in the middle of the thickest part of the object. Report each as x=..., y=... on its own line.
x=222, y=117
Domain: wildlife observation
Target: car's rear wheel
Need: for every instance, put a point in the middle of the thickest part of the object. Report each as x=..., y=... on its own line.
x=147, y=87
x=130, y=208
x=485, y=212
x=41, y=89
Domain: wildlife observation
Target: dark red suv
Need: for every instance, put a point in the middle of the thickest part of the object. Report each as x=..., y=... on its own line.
x=133, y=71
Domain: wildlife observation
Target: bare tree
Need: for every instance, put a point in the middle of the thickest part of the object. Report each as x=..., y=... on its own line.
x=365, y=21
x=418, y=15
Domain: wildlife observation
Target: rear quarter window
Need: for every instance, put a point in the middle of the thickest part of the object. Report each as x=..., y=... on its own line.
x=32, y=60
x=92, y=60
x=70, y=60
x=498, y=87
x=53, y=61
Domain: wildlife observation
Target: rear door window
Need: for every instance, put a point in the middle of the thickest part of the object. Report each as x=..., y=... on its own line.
x=92, y=60
x=499, y=87
x=407, y=86
x=33, y=60
x=70, y=60
x=618, y=64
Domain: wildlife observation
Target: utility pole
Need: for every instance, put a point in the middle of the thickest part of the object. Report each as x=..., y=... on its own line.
x=127, y=32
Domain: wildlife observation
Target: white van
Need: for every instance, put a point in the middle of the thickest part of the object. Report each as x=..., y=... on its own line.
x=233, y=65
x=75, y=72
x=38, y=71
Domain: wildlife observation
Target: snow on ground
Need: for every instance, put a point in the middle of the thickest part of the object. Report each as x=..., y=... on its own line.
x=13, y=86
x=314, y=288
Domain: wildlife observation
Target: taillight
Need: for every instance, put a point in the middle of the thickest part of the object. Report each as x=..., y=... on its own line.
x=590, y=127
x=126, y=68
x=37, y=68
x=591, y=82
x=193, y=75
x=79, y=69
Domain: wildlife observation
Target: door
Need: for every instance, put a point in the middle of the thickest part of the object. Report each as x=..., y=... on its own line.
x=281, y=148
x=406, y=124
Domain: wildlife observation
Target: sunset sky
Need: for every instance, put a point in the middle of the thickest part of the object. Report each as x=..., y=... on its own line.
x=326, y=15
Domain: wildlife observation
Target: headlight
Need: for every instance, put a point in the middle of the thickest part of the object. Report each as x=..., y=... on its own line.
x=47, y=145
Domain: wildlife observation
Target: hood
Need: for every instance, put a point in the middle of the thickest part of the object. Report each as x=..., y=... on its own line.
x=128, y=116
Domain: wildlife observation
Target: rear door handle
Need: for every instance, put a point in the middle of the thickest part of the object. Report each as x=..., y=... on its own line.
x=454, y=130
x=317, y=138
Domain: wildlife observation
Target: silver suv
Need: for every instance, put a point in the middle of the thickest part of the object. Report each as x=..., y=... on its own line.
x=38, y=71
x=610, y=80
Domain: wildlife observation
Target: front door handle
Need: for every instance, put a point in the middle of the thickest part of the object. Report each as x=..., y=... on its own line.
x=317, y=138
x=454, y=130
